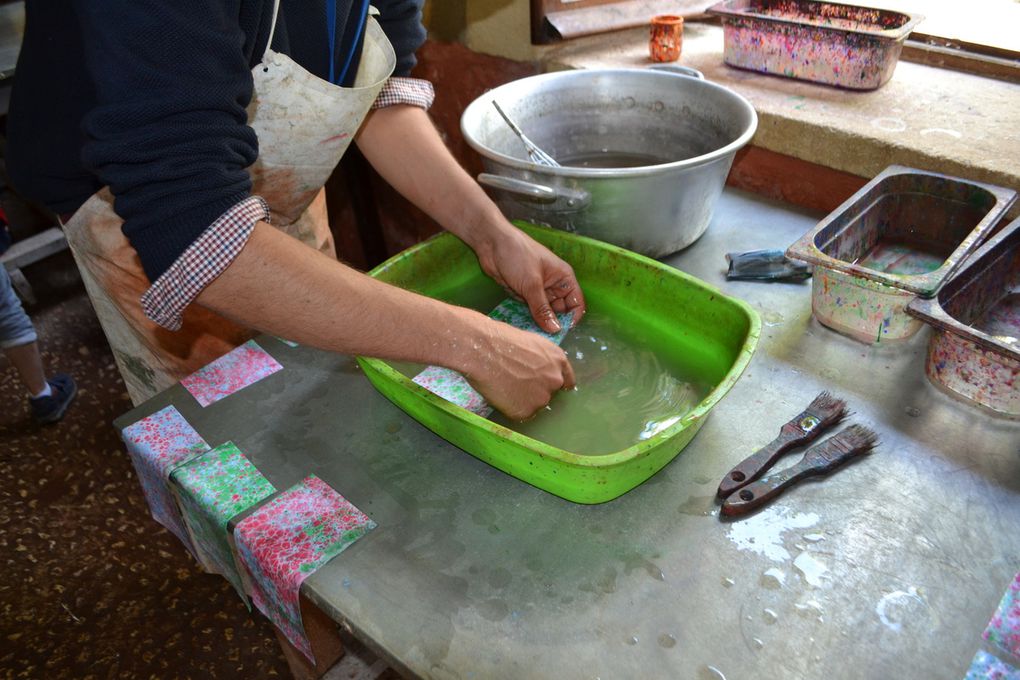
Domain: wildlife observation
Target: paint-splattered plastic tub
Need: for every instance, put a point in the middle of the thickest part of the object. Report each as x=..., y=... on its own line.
x=824, y=42
x=902, y=235
x=974, y=351
x=669, y=308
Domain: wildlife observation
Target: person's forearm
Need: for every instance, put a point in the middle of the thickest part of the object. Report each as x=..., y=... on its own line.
x=278, y=285
x=405, y=148
x=281, y=286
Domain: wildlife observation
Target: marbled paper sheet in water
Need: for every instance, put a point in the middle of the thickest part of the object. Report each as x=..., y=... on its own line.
x=517, y=314
x=283, y=542
x=235, y=370
x=987, y=667
x=213, y=488
x=1004, y=629
x=157, y=444
x=454, y=387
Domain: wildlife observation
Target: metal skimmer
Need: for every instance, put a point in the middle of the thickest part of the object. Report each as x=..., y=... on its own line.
x=534, y=152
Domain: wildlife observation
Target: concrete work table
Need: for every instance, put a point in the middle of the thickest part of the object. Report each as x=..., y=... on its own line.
x=890, y=568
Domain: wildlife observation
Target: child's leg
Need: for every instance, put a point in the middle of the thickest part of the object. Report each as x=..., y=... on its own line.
x=18, y=338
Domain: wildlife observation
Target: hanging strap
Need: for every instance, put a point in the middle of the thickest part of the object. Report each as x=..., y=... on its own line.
x=362, y=16
x=331, y=32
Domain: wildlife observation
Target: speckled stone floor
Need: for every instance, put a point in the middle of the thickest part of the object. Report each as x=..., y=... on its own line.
x=90, y=585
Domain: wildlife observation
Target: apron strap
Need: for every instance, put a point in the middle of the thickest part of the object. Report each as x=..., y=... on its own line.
x=272, y=27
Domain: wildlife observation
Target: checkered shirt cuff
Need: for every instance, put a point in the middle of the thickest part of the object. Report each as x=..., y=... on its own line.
x=204, y=260
x=399, y=90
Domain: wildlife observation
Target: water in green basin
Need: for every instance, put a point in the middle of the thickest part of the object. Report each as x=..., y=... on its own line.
x=626, y=392
x=629, y=386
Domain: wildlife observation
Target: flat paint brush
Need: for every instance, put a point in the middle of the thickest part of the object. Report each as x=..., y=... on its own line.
x=821, y=414
x=820, y=459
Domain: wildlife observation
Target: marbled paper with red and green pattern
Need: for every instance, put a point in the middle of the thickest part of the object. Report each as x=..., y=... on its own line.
x=286, y=540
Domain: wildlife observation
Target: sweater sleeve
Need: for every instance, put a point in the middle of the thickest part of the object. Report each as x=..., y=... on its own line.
x=400, y=20
x=168, y=133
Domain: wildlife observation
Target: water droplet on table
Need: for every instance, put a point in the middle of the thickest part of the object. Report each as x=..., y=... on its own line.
x=711, y=673
x=810, y=568
x=770, y=616
x=758, y=644
x=814, y=538
x=728, y=582
x=773, y=578
x=903, y=608
x=809, y=608
x=667, y=641
x=632, y=640
x=701, y=506
x=762, y=533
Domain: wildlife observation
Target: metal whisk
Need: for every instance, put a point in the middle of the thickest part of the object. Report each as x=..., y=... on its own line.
x=534, y=152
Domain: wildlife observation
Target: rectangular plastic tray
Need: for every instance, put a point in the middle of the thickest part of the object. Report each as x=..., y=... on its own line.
x=974, y=351
x=856, y=290
x=666, y=303
x=824, y=42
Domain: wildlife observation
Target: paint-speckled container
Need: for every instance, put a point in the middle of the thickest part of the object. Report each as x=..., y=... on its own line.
x=974, y=351
x=824, y=42
x=902, y=235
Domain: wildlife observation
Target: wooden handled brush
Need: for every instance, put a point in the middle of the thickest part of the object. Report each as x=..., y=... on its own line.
x=820, y=459
x=821, y=414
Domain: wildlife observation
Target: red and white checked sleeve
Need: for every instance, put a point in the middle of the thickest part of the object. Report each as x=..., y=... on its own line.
x=203, y=261
x=401, y=90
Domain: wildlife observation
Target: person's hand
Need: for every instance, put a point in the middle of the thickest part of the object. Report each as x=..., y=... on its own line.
x=518, y=372
x=529, y=270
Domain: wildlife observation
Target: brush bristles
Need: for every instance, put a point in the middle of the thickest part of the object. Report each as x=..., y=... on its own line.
x=828, y=409
x=859, y=438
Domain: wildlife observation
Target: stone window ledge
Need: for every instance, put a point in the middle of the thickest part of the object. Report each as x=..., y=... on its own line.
x=925, y=117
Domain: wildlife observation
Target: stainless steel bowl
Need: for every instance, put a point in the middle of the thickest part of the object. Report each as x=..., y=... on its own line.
x=668, y=139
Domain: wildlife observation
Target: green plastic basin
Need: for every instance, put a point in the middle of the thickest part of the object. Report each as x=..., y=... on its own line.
x=670, y=306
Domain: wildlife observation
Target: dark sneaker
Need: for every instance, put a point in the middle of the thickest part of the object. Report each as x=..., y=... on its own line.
x=51, y=409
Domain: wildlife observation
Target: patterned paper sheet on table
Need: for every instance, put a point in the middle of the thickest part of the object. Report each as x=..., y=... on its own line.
x=987, y=667
x=455, y=388
x=1003, y=630
x=233, y=371
x=211, y=489
x=157, y=444
x=286, y=540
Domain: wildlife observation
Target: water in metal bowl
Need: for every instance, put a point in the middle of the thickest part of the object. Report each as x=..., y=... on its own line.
x=645, y=153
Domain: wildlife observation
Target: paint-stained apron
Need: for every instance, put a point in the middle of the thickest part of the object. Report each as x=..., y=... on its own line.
x=304, y=125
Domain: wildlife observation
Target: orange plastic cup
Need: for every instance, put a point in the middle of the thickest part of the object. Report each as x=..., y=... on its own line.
x=667, y=38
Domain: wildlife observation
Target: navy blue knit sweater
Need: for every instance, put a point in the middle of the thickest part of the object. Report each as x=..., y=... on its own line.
x=149, y=97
